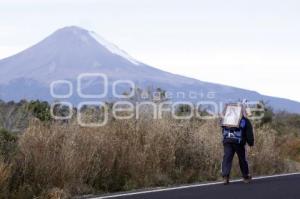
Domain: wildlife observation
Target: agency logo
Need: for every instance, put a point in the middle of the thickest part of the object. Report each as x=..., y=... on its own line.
x=93, y=110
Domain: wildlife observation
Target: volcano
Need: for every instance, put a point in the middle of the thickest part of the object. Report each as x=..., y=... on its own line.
x=71, y=51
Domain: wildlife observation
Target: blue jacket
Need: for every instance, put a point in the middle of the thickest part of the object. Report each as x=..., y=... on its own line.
x=241, y=135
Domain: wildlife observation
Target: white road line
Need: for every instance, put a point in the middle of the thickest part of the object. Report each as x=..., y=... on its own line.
x=187, y=186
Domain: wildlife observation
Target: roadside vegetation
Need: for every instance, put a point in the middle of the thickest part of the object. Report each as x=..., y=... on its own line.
x=49, y=159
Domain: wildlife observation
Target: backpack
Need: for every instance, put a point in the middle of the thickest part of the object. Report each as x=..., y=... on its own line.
x=234, y=134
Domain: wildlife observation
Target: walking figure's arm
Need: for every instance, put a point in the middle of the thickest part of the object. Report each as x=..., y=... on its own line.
x=249, y=133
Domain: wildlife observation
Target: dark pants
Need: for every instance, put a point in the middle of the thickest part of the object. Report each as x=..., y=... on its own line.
x=229, y=151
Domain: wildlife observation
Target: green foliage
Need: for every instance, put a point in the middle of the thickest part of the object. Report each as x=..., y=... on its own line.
x=40, y=110
x=267, y=111
x=268, y=116
x=183, y=109
x=8, y=144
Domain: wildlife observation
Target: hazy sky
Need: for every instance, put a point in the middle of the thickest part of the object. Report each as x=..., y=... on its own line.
x=251, y=44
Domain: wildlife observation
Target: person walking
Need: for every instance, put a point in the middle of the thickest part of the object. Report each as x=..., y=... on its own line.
x=234, y=141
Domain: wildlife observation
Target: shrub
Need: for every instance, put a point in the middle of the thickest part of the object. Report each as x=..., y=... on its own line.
x=40, y=110
x=8, y=144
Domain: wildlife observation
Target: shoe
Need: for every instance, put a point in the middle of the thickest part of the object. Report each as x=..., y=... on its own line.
x=247, y=179
x=225, y=180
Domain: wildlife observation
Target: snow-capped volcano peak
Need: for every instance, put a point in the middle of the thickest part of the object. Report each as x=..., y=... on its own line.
x=67, y=52
x=112, y=47
x=71, y=51
x=87, y=37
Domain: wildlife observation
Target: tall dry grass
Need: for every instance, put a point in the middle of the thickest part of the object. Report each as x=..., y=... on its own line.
x=4, y=174
x=63, y=159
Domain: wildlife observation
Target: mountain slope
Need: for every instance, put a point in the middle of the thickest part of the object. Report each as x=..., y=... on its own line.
x=71, y=51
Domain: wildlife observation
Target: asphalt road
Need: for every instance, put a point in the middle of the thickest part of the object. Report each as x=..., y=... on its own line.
x=285, y=186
